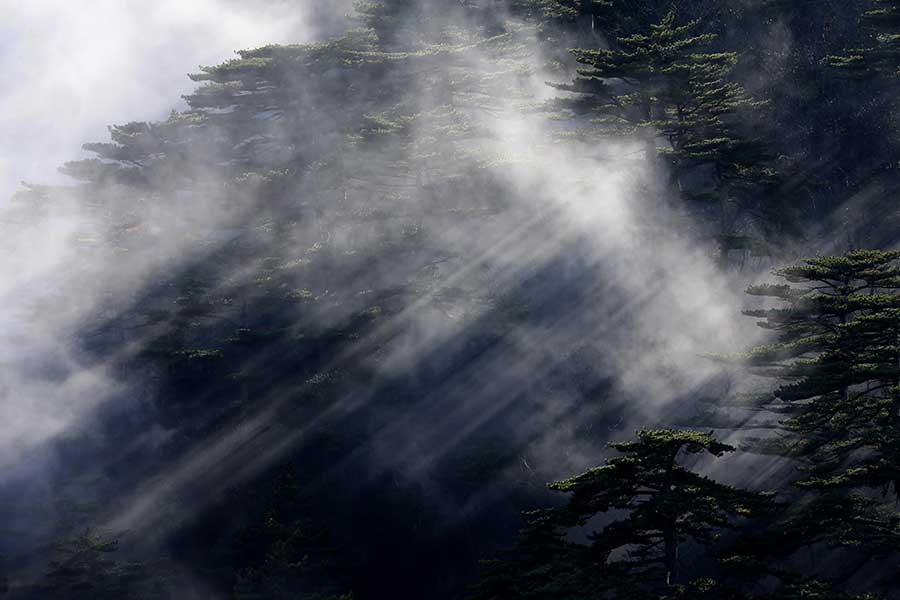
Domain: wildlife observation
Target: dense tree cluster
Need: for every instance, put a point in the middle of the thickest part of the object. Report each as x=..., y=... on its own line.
x=312, y=260
x=837, y=353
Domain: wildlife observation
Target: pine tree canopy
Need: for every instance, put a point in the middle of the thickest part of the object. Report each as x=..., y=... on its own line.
x=838, y=349
x=882, y=57
x=668, y=88
x=650, y=506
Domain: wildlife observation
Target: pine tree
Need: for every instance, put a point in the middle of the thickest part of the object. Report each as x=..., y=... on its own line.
x=875, y=67
x=667, y=88
x=651, y=506
x=883, y=56
x=837, y=349
x=836, y=353
x=280, y=553
x=84, y=568
x=556, y=16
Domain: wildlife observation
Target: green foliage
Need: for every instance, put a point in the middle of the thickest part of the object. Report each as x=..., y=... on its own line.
x=666, y=87
x=651, y=506
x=567, y=10
x=85, y=567
x=883, y=56
x=328, y=157
x=837, y=346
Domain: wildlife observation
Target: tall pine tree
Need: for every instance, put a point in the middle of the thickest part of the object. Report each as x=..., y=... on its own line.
x=670, y=90
x=642, y=508
x=838, y=338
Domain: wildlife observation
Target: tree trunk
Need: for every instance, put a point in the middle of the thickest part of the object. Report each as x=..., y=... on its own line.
x=585, y=25
x=845, y=389
x=670, y=529
x=670, y=538
x=895, y=417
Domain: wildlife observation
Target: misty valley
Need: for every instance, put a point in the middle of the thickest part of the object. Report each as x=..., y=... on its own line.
x=471, y=300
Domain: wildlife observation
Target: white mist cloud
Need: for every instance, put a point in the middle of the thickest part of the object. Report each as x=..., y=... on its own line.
x=71, y=68
x=660, y=302
x=653, y=303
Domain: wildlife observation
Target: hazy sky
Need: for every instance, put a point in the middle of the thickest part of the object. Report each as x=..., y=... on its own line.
x=72, y=67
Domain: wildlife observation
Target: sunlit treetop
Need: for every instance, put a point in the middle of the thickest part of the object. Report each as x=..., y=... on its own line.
x=865, y=268
x=831, y=291
x=650, y=463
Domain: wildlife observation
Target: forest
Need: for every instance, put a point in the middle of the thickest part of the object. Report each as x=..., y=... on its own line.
x=476, y=300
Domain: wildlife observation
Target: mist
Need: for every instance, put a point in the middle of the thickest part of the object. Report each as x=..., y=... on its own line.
x=79, y=67
x=374, y=258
